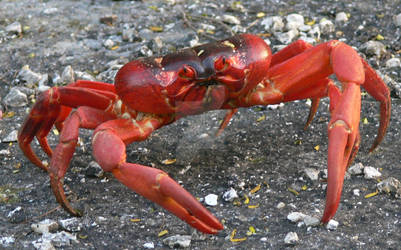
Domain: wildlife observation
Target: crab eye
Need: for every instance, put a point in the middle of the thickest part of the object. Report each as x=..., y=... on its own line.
x=186, y=72
x=221, y=64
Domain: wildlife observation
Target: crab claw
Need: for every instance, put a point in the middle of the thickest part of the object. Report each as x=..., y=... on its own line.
x=158, y=187
x=151, y=183
x=343, y=142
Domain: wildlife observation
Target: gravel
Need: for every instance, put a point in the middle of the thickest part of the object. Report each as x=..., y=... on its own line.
x=50, y=43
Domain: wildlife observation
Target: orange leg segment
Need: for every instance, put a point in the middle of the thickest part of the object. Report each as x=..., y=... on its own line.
x=305, y=76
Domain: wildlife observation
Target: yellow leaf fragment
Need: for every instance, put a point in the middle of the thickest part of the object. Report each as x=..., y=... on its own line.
x=310, y=23
x=169, y=161
x=9, y=114
x=246, y=199
x=253, y=206
x=293, y=191
x=135, y=220
x=372, y=194
x=251, y=230
x=261, y=118
x=152, y=7
x=55, y=131
x=255, y=189
x=260, y=14
x=379, y=37
x=115, y=47
x=365, y=121
x=156, y=28
x=232, y=239
x=317, y=147
x=304, y=187
x=162, y=233
x=82, y=236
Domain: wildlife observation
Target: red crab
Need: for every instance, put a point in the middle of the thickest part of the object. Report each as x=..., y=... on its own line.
x=240, y=71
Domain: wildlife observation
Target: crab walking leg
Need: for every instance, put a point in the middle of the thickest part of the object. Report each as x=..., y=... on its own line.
x=296, y=77
x=83, y=117
x=109, y=142
x=47, y=111
x=375, y=86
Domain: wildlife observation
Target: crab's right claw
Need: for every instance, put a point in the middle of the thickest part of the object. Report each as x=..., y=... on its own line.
x=158, y=187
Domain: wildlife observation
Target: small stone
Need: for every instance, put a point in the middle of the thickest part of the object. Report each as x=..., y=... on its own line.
x=45, y=226
x=84, y=76
x=390, y=186
x=231, y=19
x=263, y=239
x=6, y=241
x=15, y=98
x=291, y=238
x=50, y=11
x=280, y=205
x=108, y=43
x=312, y=174
x=294, y=21
x=332, y=225
x=371, y=173
x=176, y=241
x=109, y=20
x=287, y=37
x=311, y=221
x=211, y=199
x=5, y=152
x=28, y=77
x=393, y=63
x=43, y=83
x=356, y=192
x=230, y=195
x=275, y=106
x=43, y=245
x=356, y=169
x=273, y=23
x=71, y=224
x=60, y=239
x=11, y=137
x=397, y=20
x=145, y=51
x=68, y=75
x=326, y=26
x=14, y=28
x=341, y=17
x=295, y=216
x=149, y=245
x=375, y=48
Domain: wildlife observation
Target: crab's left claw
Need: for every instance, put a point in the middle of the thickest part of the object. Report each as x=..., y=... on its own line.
x=345, y=108
x=151, y=183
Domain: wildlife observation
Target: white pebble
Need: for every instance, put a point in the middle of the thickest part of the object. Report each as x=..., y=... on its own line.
x=393, y=63
x=291, y=238
x=211, y=199
x=341, y=17
x=326, y=26
x=273, y=23
x=280, y=205
x=294, y=21
x=312, y=174
x=356, y=169
x=178, y=241
x=230, y=195
x=397, y=20
x=44, y=226
x=371, y=173
x=231, y=19
x=149, y=245
x=356, y=192
x=311, y=221
x=295, y=216
x=332, y=225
